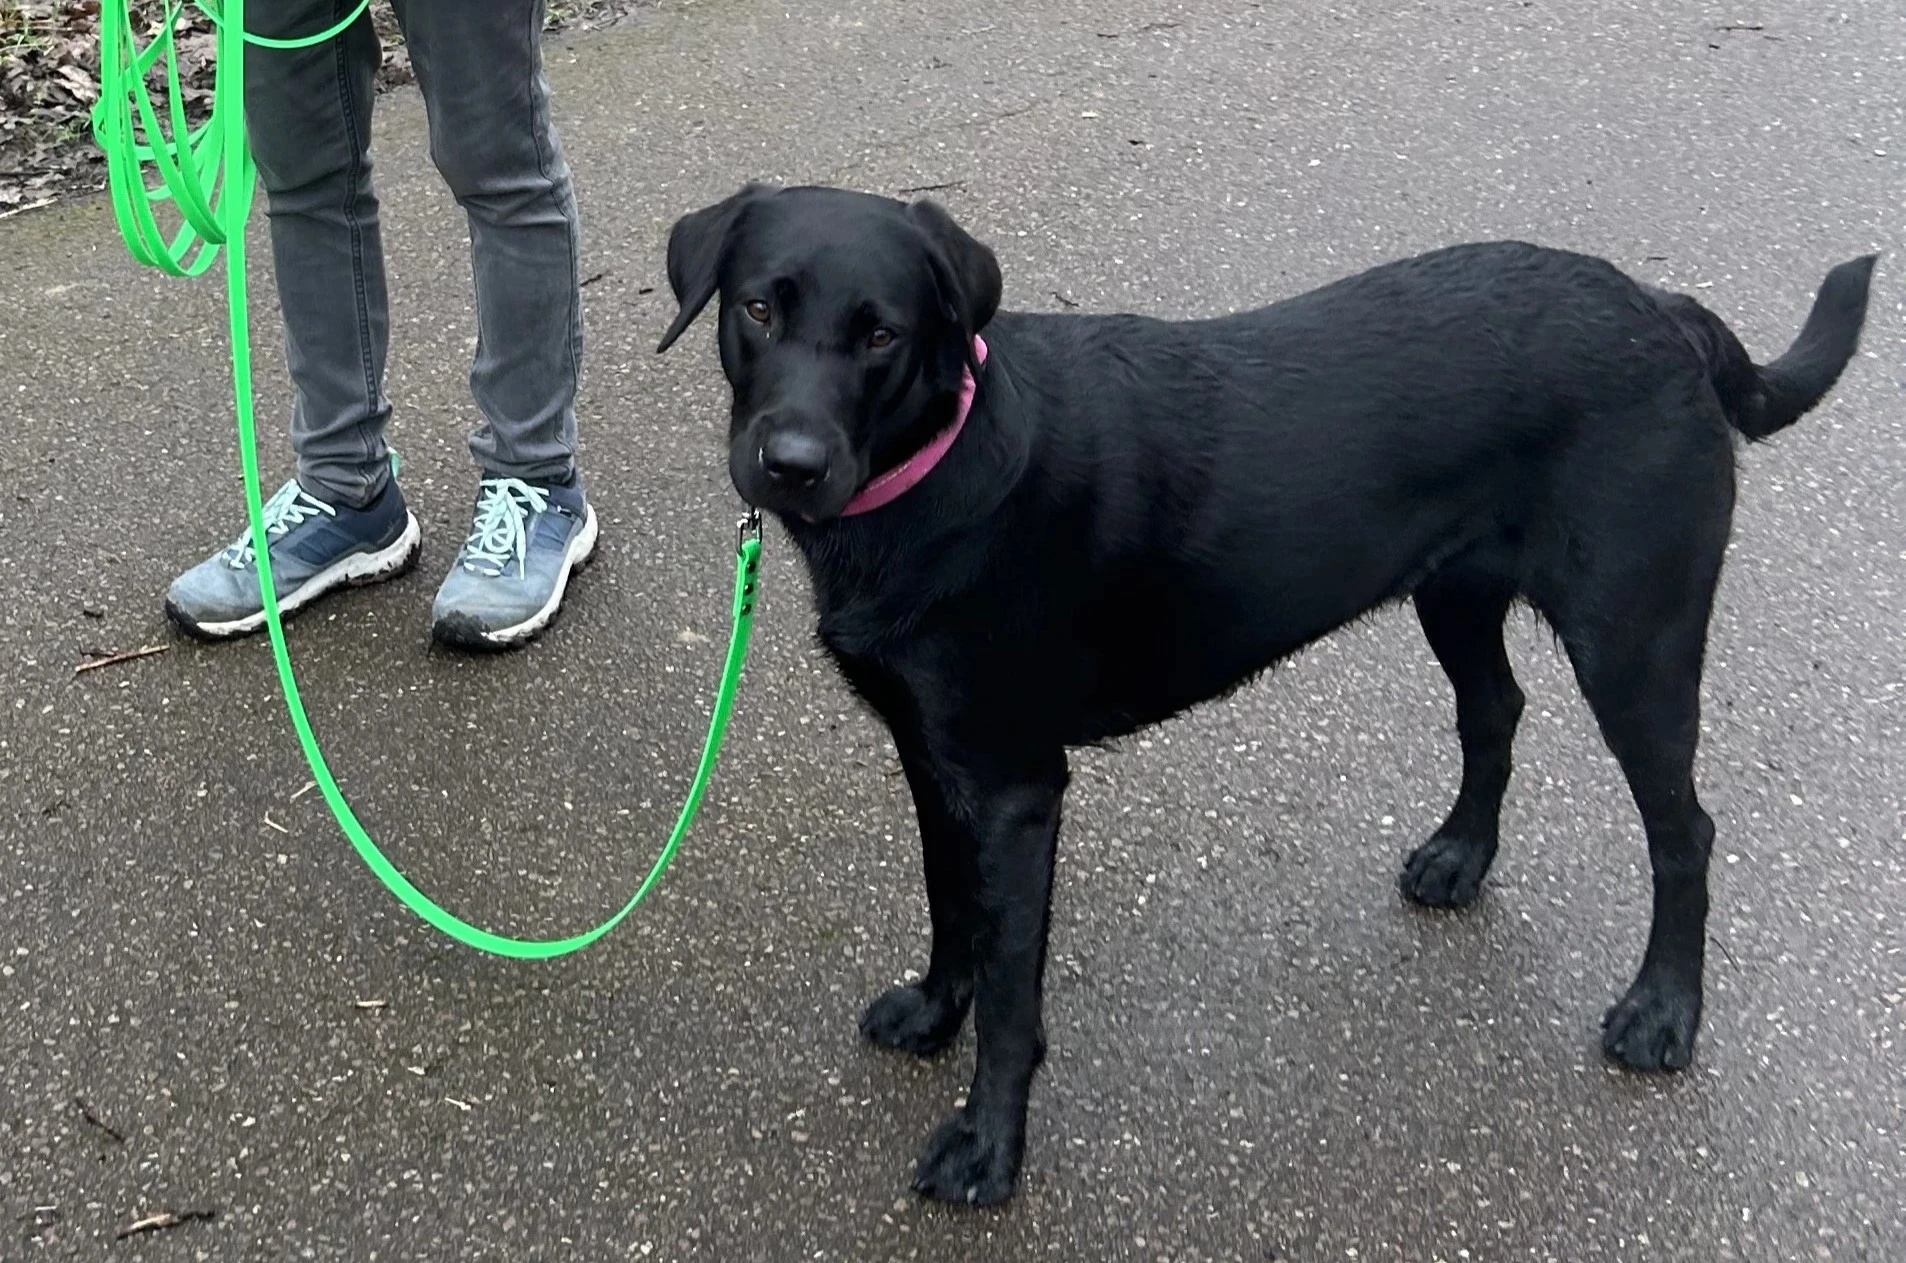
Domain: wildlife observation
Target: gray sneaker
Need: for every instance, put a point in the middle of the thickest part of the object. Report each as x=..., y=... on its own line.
x=316, y=547
x=508, y=582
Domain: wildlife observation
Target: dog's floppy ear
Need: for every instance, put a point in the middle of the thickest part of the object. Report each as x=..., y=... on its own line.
x=966, y=271
x=695, y=246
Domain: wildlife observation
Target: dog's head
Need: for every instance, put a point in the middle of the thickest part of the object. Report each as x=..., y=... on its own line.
x=847, y=323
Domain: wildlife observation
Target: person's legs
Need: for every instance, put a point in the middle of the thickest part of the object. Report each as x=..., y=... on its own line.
x=342, y=520
x=481, y=70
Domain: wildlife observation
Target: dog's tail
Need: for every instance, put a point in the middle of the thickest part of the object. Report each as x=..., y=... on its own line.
x=1763, y=399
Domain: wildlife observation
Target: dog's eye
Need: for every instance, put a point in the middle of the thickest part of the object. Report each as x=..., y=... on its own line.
x=757, y=311
x=880, y=337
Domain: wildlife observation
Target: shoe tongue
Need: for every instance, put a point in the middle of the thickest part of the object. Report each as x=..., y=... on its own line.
x=568, y=495
x=305, y=496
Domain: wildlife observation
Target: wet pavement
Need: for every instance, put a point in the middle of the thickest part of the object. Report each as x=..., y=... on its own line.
x=1258, y=1051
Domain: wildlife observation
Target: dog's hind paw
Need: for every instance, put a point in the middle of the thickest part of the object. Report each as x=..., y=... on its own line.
x=1446, y=871
x=966, y=1162
x=912, y=1020
x=1653, y=1027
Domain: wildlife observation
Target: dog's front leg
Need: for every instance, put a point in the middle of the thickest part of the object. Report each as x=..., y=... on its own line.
x=975, y=1155
x=924, y=1018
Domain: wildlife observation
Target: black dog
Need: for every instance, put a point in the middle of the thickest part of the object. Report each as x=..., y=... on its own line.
x=1137, y=516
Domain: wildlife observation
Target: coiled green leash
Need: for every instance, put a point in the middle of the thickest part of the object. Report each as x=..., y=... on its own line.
x=207, y=175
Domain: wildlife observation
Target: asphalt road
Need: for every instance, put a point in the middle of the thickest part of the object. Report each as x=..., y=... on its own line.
x=1258, y=1052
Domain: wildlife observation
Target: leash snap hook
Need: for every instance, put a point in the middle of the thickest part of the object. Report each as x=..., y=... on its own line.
x=748, y=528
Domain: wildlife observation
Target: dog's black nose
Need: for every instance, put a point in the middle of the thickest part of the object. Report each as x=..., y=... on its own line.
x=794, y=459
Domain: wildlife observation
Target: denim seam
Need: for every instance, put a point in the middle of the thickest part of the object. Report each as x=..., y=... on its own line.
x=541, y=122
x=351, y=219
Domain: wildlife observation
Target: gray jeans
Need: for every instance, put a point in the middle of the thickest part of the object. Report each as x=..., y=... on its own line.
x=479, y=63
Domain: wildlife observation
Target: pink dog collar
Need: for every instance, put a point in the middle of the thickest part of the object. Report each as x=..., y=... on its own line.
x=903, y=477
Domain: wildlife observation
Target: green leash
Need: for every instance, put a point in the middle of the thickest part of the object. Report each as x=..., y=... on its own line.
x=208, y=176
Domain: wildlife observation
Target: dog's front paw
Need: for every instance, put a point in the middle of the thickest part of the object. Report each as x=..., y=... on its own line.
x=969, y=1162
x=1654, y=1026
x=914, y=1020
x=1446, y=871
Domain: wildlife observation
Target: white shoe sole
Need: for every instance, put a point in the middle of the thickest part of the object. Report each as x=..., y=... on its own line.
x=582, y=546
x=356, y=570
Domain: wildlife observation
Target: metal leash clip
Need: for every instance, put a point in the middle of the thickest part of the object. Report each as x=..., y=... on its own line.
x=749, y=527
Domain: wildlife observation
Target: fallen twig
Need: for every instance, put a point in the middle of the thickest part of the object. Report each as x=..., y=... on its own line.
x=1150, y=28
x=1724, y=951
x=109, y=659
x=166, y=1219
x=30, y=206
x=86, y=1112
x=274, y=824
x=308, y=787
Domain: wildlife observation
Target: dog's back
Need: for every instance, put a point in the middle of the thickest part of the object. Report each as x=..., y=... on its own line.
x=1238, y=487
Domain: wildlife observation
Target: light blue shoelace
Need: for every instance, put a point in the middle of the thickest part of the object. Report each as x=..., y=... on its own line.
x=291, y=505
x=500, y=532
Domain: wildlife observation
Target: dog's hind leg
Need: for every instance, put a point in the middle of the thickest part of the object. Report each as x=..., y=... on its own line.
x=1462, y=617
x=1637, y=636
x=1646, y=697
